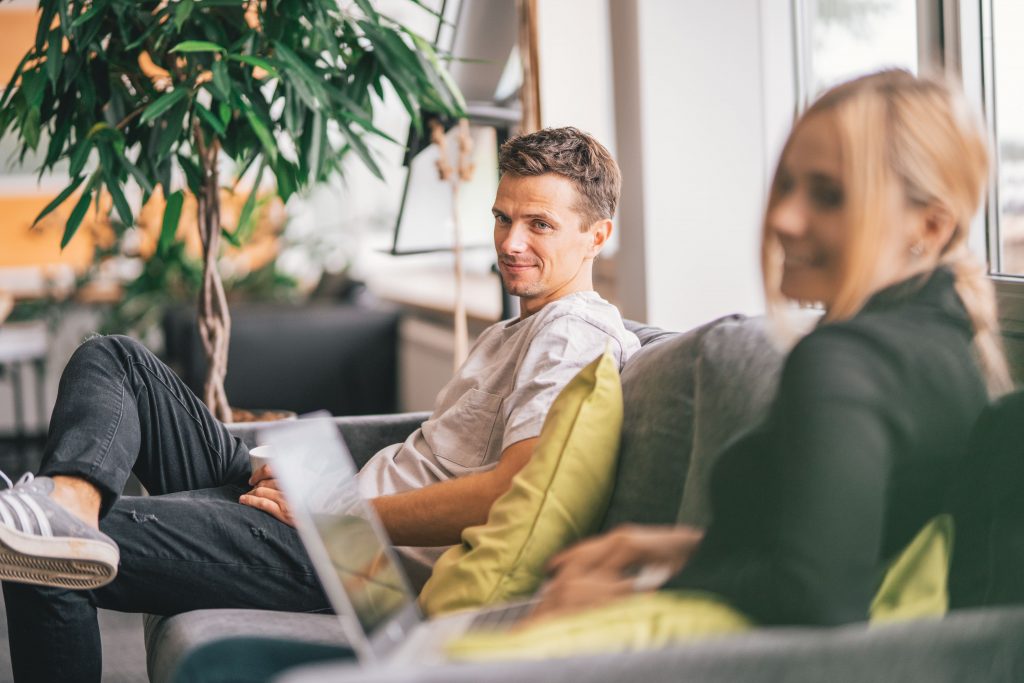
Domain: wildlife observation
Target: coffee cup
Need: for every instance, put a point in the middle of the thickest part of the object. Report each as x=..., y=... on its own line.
x=260, y=456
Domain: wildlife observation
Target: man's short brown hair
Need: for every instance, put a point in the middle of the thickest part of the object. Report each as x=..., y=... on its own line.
x=571, y=153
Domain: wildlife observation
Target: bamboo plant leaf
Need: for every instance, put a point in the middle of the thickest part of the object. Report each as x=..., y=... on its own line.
x=264, y=64
x=169, y=227
x=162, y=104
x=78, y=213
x=262, y=132
x=113, y=184
x=59, y=199
x=212, y=121
x=182, y=11
x=221, y=80
x=189, y=46
x=245, y=219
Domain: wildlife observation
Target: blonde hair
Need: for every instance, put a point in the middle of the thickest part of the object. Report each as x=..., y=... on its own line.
x=915, y=136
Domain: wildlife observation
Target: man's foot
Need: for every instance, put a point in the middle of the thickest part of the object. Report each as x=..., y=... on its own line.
x=42, y=543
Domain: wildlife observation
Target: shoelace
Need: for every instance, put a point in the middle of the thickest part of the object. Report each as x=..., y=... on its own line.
x=25, y=478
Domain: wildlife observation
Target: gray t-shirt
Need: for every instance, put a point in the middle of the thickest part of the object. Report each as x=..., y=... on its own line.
x=501, y=394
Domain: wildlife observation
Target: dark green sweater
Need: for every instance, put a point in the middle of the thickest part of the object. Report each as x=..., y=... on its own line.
x=871, y=416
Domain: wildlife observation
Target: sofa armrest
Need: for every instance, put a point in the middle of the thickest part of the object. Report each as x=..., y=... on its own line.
x=364, y=434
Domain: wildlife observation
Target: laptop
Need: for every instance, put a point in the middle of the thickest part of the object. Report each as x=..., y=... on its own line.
x=355, y=561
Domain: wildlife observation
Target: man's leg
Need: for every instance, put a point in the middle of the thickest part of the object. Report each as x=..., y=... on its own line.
x=179, y=552
x=118, y=409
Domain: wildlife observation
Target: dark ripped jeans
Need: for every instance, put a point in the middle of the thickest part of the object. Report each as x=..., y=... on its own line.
x=189, y=545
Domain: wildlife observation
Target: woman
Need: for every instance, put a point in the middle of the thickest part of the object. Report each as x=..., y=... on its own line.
x=868, y=217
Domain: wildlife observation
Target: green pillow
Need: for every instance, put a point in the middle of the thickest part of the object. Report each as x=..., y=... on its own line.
x=640, y=621
x=914, y=586
x=559, y=497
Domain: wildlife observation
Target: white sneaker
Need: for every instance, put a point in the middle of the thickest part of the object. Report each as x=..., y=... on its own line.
x=43, y=543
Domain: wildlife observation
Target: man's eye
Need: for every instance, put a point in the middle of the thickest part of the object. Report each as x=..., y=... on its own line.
x=501, y=219
x=542, y=225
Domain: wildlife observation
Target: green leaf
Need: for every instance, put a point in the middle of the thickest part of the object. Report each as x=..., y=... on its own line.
x=193, y=174
x=78, y=213
x=244, y=228
x=120, y=203
x=88, y=14
x=162, y=104
x=211, y=120
x=368, y=9
x=32, y=84
x=221, y=80
x=140, y=177
x=171, y=132
x=59, y=199
x=262, y=132
x=224, y=111
x=169, y=228
x=360, y=148
x=233, y=239
x=256, y=61
x=182, y=12
x=54, y=56
x=30, y=128
x=79, y=156
x=197, y=46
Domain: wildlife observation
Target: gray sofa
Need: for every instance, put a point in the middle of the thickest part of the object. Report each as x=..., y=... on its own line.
x=686, y=395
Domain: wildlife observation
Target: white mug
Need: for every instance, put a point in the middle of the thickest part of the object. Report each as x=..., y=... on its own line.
x=260, y=456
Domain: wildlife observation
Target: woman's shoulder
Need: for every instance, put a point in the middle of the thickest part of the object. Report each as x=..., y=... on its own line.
x=881, y=354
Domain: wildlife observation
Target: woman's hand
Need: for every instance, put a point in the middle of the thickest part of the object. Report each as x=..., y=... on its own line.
x=626, y=550
x=266, y=495
x=602, y=568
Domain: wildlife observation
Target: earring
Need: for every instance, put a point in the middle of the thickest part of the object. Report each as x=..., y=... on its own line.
x=917, y=250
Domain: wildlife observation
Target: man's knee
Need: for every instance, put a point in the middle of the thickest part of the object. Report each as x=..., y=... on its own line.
x=116, y=348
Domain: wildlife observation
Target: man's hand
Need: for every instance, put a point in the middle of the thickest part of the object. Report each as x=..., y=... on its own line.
x=267, y=496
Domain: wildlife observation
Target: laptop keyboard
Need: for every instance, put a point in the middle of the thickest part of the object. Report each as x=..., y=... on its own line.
x=500, y=618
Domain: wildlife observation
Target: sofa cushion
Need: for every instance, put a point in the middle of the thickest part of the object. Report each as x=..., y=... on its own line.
x=685, y=396
x=975, y=645
x=635, y=622
x=915, y=584
x=557, y=498
x=172, y=641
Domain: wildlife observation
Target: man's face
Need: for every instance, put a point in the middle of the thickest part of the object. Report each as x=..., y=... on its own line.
x=543, y=253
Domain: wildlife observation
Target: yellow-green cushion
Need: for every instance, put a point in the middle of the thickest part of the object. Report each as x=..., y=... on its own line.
x=644, y=620
x=559, y=497
x=915, y=584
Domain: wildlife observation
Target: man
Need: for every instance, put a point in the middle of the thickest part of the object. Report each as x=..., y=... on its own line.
x=192, y=544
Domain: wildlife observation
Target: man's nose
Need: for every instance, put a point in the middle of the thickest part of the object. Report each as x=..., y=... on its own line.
x=515, y=240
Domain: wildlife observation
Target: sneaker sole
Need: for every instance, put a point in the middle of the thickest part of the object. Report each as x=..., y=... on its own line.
x=58, y=561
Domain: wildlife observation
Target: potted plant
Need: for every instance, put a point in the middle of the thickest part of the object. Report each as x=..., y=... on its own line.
x=158, y=95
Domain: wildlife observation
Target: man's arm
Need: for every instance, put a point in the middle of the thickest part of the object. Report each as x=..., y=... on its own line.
x=436, y=515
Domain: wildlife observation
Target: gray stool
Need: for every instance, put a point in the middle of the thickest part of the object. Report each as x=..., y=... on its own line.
x=24, y=344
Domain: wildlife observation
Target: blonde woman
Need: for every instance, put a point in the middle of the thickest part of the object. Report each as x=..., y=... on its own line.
x=868, y=216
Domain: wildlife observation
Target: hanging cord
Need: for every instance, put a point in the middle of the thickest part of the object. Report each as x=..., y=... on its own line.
x=447, y=173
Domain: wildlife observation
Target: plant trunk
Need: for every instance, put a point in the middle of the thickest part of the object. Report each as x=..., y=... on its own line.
x=214, y=319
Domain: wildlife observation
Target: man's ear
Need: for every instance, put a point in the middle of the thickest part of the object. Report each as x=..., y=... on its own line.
x=600, y=231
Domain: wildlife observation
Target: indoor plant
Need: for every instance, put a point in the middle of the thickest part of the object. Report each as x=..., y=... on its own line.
x=155, y=95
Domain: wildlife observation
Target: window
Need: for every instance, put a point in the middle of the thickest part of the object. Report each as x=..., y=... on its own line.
x=1005, y=73
x=840, y=39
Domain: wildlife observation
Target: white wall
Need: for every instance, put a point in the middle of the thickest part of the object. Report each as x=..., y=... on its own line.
x=704, y=97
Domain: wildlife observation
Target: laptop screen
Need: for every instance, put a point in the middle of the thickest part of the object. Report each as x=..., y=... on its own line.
x=341, y=533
